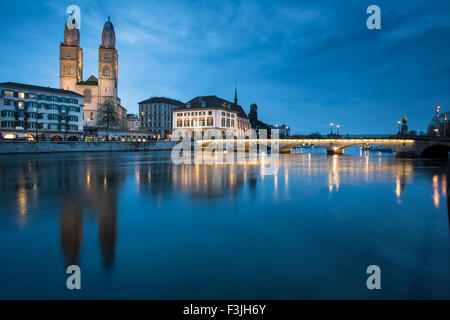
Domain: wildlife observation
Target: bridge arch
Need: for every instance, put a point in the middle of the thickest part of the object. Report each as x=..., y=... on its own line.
x=435, y=151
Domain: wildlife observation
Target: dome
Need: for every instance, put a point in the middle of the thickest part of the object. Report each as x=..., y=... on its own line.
x=71, y=36
x=108, y=35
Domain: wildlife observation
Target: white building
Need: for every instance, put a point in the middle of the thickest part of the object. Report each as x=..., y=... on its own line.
x=52, y=114
x=156, y=116
x=211, y=112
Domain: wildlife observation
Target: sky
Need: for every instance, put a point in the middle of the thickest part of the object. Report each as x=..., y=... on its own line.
x=304, y=63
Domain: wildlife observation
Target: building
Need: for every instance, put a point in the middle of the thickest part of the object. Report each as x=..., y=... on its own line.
x=211, y=112
x=94, y=90
x=156, y=116
x=283, y=131
x=134, y=123
x=51, y=114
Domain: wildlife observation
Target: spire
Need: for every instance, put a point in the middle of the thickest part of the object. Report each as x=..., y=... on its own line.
x=235, y=94
x=108, y=35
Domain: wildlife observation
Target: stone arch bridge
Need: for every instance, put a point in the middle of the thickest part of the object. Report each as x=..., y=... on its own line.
x=403, y=147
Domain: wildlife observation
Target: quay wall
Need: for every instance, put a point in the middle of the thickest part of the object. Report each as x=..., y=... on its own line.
x=81, y=146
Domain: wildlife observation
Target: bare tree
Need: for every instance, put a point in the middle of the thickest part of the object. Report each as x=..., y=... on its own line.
x=107, y=115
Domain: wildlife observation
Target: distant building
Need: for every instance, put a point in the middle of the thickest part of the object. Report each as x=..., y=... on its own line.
x=284, y=130
x=211, y=112
x=94, y=90
x=57, y=113
x=156, y=116
x=134, y=123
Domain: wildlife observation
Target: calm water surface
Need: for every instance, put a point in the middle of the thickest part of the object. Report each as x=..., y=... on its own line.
x=141, y=227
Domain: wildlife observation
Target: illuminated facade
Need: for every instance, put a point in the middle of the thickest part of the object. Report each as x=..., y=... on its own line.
x=51, y=114
x=94, y=90
x=211, y=112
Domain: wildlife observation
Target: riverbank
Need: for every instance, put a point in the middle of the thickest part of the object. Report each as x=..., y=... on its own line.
x=17, y=147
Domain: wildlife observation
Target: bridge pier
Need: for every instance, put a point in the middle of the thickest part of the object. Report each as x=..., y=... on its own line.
x=334, y=151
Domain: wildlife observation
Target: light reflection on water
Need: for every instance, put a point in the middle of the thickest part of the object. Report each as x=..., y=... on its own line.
x=141, y=227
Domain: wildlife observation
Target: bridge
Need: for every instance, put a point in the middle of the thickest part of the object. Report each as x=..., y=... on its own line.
x=415, y=146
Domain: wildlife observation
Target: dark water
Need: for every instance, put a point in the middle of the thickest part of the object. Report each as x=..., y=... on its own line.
x=140, y=227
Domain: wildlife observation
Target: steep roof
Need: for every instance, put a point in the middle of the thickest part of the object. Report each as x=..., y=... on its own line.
x=163, y=100
x=15, y=85
x=214, y=102
x=91, y=81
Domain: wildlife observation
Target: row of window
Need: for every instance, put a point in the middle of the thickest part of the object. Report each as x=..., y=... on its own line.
x=22, y=104
x=32, y=115
x=202, y=113
x=194, y=113
x=197, y=123
x=154, y=107
x=32, y=125
x=33, y=96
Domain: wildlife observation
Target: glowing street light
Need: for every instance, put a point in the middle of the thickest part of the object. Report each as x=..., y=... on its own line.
x=437, y=111
x=337, y=127
x=331, y=127
x=399, y=122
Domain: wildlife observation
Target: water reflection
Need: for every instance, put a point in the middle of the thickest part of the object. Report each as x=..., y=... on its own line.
x=78, y=187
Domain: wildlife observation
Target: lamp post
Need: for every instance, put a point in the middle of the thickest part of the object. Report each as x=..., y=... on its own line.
x=437, y=111
x=337, y=128
x=331, y=128
x=399, y=122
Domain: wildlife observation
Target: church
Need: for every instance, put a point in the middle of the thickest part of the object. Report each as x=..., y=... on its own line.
x=94, y=90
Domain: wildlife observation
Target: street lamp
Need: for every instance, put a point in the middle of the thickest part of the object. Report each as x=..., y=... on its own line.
x=331, y=128
x=437, y=111
x=337, y=127
x=437, y=131
x=399, y=122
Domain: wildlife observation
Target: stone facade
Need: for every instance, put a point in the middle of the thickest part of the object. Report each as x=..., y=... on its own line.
x=94, y=90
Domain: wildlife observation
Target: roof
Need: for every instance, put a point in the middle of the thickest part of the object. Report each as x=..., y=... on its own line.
x=15, y=85
x=163, y=100
x=214, y=102
x=91, y=81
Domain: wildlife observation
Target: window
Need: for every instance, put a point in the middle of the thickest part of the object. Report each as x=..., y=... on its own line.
x=20, y=104
x=228, y=123
x=7, y=102
x=32, y=96
x=8, y=113
x=21, y=95
x=209, y=113
x=202, y=122
x=179, y=123
x=8, y=93
x=223, y=113
x=223, y=122
x=106, y=71
x=210, y=122
x=186, y=123
x=52, y=116
x=232, y=123
x=179, y=114
x=87, y=95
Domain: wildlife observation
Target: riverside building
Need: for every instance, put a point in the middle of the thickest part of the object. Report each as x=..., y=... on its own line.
x=156, y=116
x=27, y=111
x=210, y=112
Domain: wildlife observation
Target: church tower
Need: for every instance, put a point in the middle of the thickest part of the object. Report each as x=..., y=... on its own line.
x=70, y=60
x=107, y=63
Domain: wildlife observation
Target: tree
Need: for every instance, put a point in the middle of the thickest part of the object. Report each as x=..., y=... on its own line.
x=107, y=115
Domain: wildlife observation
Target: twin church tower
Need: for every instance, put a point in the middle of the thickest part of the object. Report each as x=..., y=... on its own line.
x=94, y=90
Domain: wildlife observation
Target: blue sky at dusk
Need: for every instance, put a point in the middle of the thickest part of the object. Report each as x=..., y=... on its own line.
x=305, y=63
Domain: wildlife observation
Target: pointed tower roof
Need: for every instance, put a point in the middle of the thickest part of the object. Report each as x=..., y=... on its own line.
x=235, y=94
x=108, y=35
